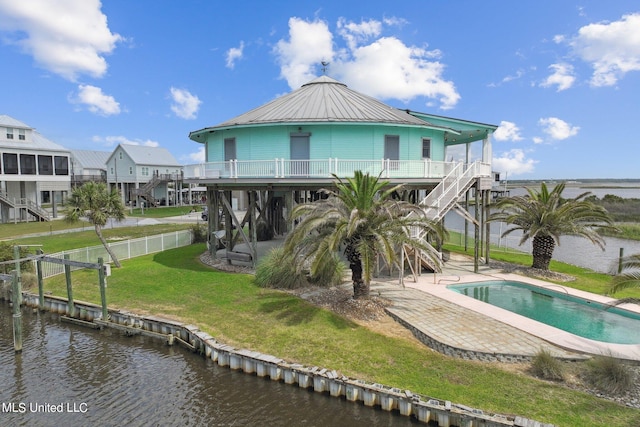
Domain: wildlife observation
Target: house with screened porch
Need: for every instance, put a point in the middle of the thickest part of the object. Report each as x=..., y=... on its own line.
x=34, y=171
x=283, y=152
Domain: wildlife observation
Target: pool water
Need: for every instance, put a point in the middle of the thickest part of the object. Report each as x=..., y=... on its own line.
x=580, y=317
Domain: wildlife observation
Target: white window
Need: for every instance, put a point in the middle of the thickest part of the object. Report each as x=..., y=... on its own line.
x=120, y=155
x=9, y=133
x=21, y=135
x=130, y=170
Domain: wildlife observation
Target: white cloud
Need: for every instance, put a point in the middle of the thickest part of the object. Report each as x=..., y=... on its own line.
x=309, y=44
x=96, y=101
x=513, y=163
x=394, y=21
x=387, y=68
x=612, y=48
x=112, y=141
x=234, y=54
x=197, y=157
x=562, y=76
x=382, y=67
x=507, y=131
x=557, y=129
x=511, y=77
x=185, y=105
x=66, y=37
x=354, y=34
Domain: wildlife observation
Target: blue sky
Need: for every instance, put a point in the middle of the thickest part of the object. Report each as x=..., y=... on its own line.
x=560, y=78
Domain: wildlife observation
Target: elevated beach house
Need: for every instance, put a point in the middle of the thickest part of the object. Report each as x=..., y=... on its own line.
x=144, y=174
x=88, y=165
x=283, y=152
x=33, y=171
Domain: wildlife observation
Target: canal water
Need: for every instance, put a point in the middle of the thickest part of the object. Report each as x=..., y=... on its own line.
x=74, y=376
x=572, y=250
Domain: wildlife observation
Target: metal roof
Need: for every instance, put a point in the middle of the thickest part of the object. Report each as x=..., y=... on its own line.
x=323, y=100
x=35, y=142
x=143, y=155
x=8, y=121
x=88, y=159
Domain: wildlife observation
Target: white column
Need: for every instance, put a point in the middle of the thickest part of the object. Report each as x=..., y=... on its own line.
x=486, y=149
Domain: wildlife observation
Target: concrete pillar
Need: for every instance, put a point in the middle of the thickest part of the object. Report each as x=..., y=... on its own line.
x=54, y=204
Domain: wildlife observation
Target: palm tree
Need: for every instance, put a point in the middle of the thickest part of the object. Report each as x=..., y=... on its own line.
x=361, y=217
x=545, y=216
x=95, y=202
x=628, y=278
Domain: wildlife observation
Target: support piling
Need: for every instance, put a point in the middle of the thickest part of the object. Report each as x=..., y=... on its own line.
x=67, y=273
x=103, y=289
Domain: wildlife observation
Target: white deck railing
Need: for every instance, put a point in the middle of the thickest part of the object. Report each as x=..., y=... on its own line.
x=324, y=168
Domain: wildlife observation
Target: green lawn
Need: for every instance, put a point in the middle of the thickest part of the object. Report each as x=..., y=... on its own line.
x=232, y=309
x=163, y=211
x=11, y=230
x=55, y=243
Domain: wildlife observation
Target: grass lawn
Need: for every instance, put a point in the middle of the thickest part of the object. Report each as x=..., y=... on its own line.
x=232, y=309
x=56, y=243
x=163, y=211
x=10, y=230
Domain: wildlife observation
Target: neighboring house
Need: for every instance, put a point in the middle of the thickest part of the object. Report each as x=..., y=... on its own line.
x=34, y=170
x=144, y=174
x=283, y=152
x=87, y=165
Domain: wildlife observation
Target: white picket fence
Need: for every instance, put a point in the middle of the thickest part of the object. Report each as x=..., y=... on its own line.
x=125, y=249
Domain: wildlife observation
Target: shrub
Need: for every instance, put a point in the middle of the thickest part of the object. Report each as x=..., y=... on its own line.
x=279, y=270
x=29, y=281
x=544, y=365
x=199, y=232
x=331, y=274
x=609, y=374
x=6, y=254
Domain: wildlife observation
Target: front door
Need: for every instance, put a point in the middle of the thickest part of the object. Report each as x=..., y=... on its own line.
x=392, y=150
x=229, y=149
x=229, y=153
x=299, y=153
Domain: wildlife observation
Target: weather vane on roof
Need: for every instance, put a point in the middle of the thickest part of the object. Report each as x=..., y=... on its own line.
x=325, y=65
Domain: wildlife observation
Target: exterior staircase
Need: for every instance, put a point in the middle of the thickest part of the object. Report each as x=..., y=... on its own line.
x=441, y=200
x=447, y=193
x=146, y=191
x=23, y=203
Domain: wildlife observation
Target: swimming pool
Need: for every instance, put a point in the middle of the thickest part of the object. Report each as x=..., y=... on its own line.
x=575, y=315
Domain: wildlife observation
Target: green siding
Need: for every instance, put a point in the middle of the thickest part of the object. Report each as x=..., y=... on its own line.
x=343, y=141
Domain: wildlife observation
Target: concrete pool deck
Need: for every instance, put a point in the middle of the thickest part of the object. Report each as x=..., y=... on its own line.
x=461, y=326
